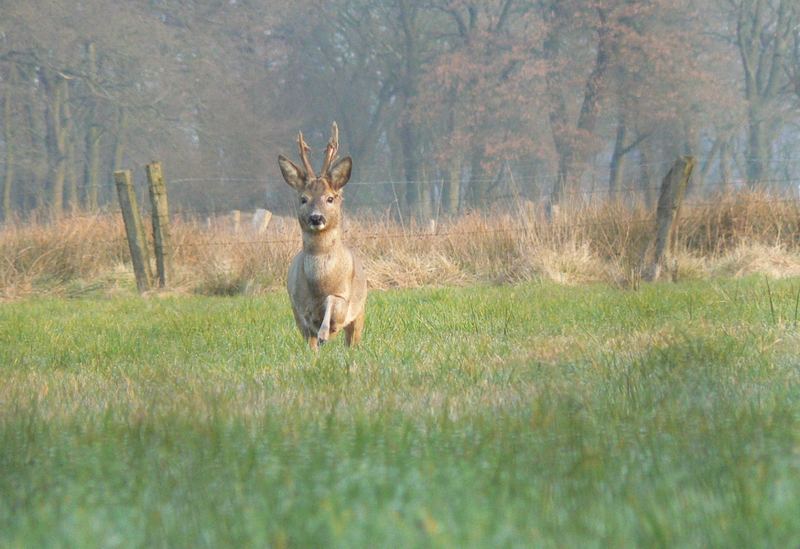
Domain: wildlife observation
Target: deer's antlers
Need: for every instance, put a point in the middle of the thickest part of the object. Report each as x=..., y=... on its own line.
x=332, y=149
x=330, y=152
x=304, y=150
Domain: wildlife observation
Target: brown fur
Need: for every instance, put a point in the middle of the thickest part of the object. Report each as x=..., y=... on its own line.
x=326, y=283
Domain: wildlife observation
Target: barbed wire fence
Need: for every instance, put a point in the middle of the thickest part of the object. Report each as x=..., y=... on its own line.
x=373, y=193
x=512, y=193
x=216, y=195
x=508, y=196
x=382, y=197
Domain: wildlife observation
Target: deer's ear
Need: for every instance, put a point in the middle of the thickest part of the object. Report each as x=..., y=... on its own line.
x=340, y=172
x=292, y=174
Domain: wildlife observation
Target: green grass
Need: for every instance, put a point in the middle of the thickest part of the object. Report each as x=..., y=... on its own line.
x=532, y=415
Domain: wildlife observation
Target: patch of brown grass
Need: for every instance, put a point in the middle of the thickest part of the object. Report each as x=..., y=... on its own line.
x=57, y=256
x=730, y=235
x=720, y=224
x=774, y=261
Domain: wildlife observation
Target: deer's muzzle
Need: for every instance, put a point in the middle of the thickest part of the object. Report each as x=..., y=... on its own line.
x=316, y=221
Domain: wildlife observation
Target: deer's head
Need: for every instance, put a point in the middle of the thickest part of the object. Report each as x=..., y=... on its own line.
x=319, y=197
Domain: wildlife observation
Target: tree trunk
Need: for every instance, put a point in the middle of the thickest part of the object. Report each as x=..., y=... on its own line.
x=425, y=210
x=478, y=184
x=558, y=125
x=451, y=189
x=120, y=140
x=590, y=108
x=71, y=174
x=56, y=142
x=91, y=175
x=595, y=84
x=562, y=178
x=646, y=177
x=572, y=152
x=8, y=137
x=725, y=166
x=37, y=122
x=411, y=165
x=763, y=36
x=701, y=175
x=617, y=165
x=409, y=133
x=757, y=150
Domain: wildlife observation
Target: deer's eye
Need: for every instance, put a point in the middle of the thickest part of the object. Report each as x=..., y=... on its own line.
x=303, y=199
x=330, y=200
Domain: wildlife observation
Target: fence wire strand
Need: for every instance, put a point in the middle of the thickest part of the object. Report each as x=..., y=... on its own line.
x=627, y=194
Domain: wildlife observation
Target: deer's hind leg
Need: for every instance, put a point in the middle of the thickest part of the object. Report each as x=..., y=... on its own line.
x=352, y=332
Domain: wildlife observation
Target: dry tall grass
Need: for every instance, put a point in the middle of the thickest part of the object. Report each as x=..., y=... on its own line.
x=733, y=235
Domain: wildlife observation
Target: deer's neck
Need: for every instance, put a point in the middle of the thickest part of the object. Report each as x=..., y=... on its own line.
x=326, y=263
x=327, y=242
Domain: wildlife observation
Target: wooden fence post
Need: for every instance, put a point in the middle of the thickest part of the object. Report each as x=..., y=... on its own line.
x=161, y=232
x=669, y=203
x=134, y=230
x=236, y=219
x=261, y=220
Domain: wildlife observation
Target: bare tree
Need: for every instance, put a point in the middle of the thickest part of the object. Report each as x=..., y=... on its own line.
x=763, y=38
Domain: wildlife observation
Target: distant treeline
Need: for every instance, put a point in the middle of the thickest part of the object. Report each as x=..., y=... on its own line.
x=448, y=98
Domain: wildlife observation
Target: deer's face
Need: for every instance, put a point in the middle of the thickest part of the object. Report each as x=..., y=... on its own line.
x=319, y=198
x=319, y=206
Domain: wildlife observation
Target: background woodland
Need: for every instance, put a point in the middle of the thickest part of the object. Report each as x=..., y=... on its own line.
x=445, y=105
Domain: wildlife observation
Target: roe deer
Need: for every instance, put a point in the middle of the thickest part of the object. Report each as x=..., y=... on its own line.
x=327, y=284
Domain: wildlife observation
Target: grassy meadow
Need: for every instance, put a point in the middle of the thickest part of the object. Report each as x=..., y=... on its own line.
x=532, y=414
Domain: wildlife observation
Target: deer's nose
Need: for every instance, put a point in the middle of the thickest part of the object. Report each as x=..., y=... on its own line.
x=316, y=219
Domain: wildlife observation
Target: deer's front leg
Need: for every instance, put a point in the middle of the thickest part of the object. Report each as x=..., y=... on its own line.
x=324, y=333
x=335, y=311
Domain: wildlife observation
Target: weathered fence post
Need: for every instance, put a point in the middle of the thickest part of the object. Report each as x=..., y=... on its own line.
x=261, y=220
x=669, y=203
x=134, y=230
x=161, y=232
x=236, y=219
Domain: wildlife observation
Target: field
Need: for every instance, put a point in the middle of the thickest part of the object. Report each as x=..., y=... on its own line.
x=531, y=414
